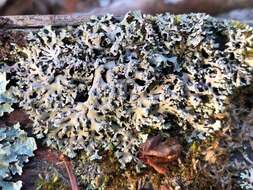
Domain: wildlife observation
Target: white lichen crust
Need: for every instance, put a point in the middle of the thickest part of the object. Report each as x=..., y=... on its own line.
x=106, y=83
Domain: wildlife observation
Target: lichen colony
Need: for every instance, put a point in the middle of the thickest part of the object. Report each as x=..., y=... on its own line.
x=110, y=83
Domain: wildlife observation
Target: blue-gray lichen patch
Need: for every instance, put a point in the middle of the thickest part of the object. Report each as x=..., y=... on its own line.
x=108, y=81
x=15, y=149
x=15, y=146
x=246, y=179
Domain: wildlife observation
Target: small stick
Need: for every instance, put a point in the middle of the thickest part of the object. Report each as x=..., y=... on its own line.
x=72, y=177
x=159, y=169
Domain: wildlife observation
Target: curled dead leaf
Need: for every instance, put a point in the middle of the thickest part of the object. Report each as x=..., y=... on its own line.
x=155, y=151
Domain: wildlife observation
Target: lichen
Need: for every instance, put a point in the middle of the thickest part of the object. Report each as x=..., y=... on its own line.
x=15, y=149
x=246, y=178
x=5, y=97
x=91, y=169
x=15, y=146
x=103, y=84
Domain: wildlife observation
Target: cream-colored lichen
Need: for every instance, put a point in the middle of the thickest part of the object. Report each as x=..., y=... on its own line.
x=107, y=82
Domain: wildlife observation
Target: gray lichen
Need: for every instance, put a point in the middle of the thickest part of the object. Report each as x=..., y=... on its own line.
x=246, y=179
x=5, y=97
x=15, y=149
x=15, y=146
x=91, y=169
x=102, y=85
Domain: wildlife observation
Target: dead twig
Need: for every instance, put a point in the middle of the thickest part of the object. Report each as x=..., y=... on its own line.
x=72, y=177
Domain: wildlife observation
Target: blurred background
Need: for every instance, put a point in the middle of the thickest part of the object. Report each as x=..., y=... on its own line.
x=238, y=9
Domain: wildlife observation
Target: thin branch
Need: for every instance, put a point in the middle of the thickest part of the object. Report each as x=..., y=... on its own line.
x=72, y=177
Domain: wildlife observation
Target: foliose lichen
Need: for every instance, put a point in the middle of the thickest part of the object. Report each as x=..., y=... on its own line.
x=103, y=84
x=92, y=172
x=15, y=149
x=5, y=97
x=15, y=146
x=246, y=178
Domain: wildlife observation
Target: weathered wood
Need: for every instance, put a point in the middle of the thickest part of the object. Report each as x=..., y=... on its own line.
x=38, y=21
x=213, y=7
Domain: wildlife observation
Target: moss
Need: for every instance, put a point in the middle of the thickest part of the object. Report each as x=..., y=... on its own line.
x=52, y=183
x=202, y=172
x=238, y=25
x=113, y=176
